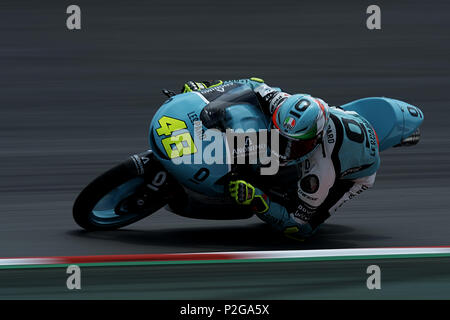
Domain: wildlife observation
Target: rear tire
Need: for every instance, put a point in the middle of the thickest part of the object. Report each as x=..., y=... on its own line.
x=113, y=188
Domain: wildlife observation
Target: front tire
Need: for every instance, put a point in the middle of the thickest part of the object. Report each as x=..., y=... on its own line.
x=120, y=196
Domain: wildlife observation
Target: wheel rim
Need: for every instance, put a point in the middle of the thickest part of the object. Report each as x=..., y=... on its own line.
x=104, y=212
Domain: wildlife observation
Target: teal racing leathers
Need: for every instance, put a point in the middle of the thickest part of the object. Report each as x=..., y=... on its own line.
x=342, y=167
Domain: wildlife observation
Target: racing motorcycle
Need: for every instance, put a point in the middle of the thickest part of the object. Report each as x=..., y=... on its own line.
x=146, y=182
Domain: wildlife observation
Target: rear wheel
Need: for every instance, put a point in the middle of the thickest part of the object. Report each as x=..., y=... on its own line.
x=123, y=195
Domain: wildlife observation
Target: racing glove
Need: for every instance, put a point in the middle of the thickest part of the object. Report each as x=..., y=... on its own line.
x=273, y=213
x=245, y=194
x=196, y=86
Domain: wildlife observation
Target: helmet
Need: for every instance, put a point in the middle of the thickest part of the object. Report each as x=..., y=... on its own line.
x=301, y=121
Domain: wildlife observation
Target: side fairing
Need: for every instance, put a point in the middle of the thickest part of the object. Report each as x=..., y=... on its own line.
x=196, y=156
x=178, y=145
x=393, y=120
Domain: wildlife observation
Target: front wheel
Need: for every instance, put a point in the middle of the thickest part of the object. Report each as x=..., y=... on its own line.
x=123, y=195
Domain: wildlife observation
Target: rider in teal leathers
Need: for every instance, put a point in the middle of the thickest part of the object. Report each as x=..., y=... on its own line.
x=336, y=153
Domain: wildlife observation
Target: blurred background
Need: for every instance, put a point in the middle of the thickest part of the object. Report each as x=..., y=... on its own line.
x=75, y=103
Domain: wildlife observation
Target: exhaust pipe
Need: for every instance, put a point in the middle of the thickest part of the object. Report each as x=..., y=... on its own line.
x=412, y=140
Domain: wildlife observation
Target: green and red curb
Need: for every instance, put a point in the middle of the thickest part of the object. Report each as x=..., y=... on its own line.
x=226, y=257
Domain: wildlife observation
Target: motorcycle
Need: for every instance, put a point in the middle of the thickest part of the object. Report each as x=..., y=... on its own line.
x=146, y=182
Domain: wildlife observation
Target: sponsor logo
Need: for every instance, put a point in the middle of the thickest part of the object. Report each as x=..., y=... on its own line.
x=264, y=90
x=277, y=100
x=330, y=135
x=304, y=212
x=304, y=195
x=358, y=192
x=220, y=88
x=193, y=117
x=355, y=169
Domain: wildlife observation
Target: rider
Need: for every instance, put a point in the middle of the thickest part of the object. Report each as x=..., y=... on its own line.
x=336, y=154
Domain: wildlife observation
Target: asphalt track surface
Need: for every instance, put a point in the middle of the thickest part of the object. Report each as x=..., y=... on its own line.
x=75, y=103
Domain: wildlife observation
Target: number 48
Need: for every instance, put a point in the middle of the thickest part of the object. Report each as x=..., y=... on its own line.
x=178, y=145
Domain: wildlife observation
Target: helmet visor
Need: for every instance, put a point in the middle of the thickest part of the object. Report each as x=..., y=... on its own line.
x=294, y=149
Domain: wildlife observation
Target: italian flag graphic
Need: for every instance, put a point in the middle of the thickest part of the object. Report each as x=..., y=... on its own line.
x=289, y=123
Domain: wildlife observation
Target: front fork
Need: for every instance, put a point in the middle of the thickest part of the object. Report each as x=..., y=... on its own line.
x=159, y=187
